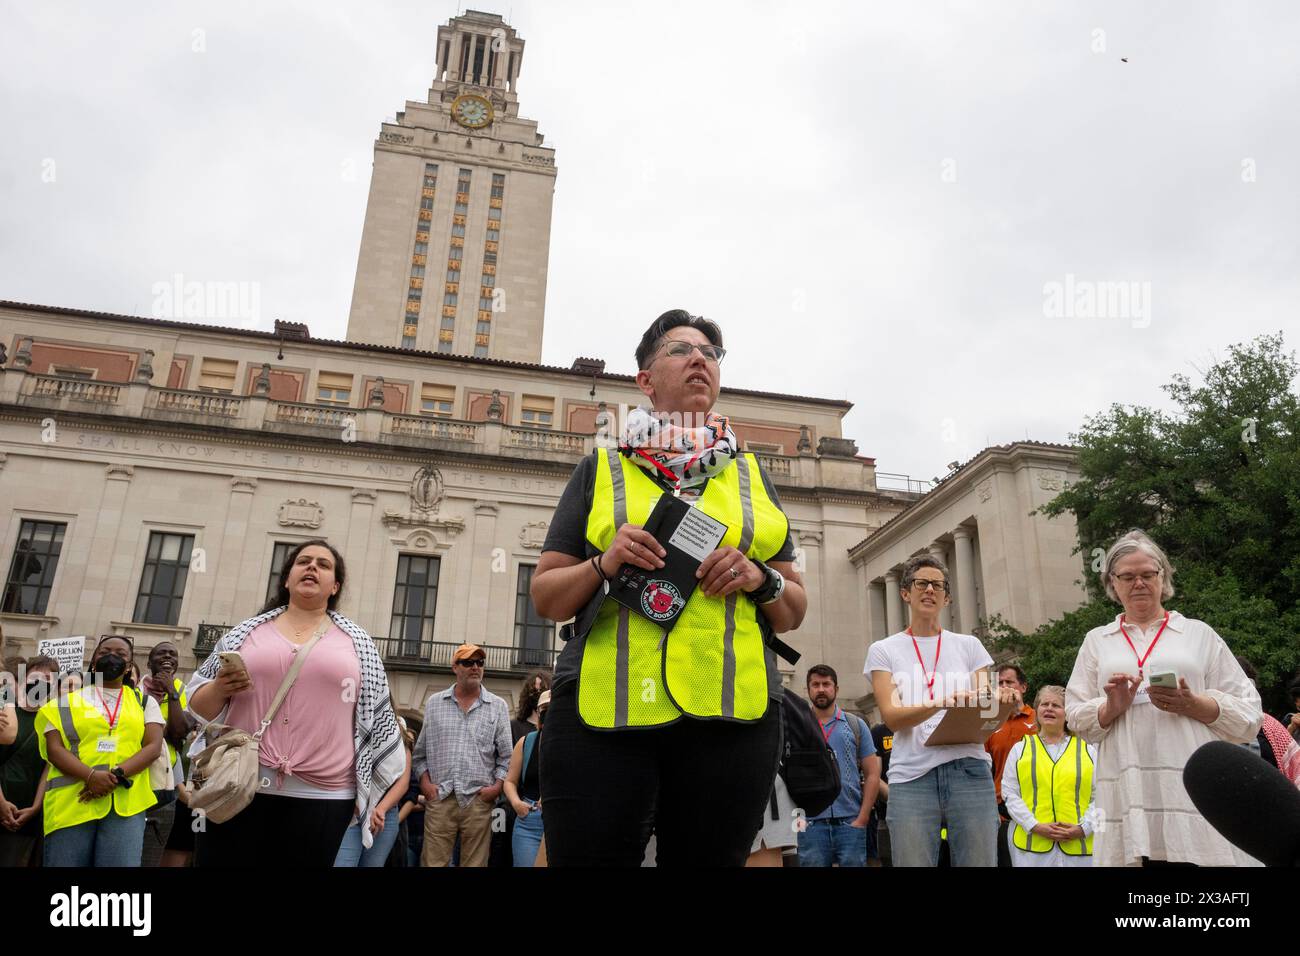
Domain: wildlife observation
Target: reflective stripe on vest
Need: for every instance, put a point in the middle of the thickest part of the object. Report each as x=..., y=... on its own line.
x=82, y=725
x=713, y=663
x=1056, y=791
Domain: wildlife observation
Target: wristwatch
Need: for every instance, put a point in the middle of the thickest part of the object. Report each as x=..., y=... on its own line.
x=121, y=777
x=769, y=592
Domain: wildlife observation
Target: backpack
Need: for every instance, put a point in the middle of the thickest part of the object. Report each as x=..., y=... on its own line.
x=808, y=765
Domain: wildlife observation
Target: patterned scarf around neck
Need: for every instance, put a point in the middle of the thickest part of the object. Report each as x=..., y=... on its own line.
x=690, y=455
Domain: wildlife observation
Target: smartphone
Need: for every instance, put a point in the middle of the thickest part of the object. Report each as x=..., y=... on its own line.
x=1165, y=679
x=232, y=660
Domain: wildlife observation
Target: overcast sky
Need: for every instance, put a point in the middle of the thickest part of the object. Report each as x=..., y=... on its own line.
x=870, y=199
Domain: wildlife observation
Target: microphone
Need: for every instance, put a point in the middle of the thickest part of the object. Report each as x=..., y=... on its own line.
x=1251, y=804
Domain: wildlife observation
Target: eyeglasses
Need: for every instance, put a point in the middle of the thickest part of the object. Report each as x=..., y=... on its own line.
x=679, y=349
x=1149, y=577
x=472, y=662
x=923, y=586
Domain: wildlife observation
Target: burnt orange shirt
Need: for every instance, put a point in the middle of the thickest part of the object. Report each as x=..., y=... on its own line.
x=999, y=744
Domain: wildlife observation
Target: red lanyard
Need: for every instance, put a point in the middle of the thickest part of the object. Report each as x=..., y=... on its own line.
x=1143, y=659
x=112, y=718
x=676, y=482
x=826, y=734
x=929, y=678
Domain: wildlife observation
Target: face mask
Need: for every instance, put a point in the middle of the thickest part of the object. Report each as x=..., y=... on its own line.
x=38, y=691
x=112, y=666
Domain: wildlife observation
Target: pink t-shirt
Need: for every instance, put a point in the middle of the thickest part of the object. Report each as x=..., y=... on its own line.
x=311, y=736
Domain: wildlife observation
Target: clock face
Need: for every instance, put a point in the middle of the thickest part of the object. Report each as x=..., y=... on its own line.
x=472, y=111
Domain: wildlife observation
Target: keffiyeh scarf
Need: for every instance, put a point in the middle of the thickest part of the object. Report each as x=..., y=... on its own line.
x=377, y=742
x=686, y=456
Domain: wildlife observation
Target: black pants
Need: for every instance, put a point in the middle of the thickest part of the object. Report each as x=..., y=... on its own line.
x=702, y=786
x=276, y=832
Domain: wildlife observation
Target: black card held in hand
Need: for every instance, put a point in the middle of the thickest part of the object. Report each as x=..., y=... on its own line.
x=689, y=536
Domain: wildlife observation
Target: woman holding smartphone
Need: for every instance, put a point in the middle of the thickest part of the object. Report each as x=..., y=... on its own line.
x=333, y=749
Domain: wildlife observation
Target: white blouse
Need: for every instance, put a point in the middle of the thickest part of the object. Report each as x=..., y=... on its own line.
x=1138, y=780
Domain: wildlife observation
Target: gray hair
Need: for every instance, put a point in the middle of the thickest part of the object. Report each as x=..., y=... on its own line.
x=1056, y=689
x=918, y=562
x=1137, y=540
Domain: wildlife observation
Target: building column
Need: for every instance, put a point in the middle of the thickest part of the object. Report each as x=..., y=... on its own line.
x=91, y=617
x=361, y=601
x=876, y=614
x=964, y=559
x=813, y=627
x=945, y=616
x=230, y=563
x=485, y=568
x=896, y=614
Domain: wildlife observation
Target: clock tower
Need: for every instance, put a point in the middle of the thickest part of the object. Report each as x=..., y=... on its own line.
x=457, y=231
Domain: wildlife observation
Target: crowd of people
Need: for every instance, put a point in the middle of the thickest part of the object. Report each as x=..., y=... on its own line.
x=284, y=748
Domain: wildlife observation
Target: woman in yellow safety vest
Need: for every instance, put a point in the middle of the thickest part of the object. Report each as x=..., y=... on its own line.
x=675, y=728
x=99, y=741
x=1047, y=786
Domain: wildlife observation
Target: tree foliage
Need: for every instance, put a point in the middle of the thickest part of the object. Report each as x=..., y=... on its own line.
x=1216, y=483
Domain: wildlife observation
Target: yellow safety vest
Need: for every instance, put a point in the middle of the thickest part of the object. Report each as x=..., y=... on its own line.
x=162, y=706
x=1057, y=791
x=713, y=663
x=82, y=725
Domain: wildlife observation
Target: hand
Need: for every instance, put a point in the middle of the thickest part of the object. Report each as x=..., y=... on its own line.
x=100, y=784
x=635, y=546
x=1009, y=695
x=421, y=800
x=725, y=571
x=7, y=812
x=376, y=821
x=232, y=681
x=22, y=816
x=1070, y=831
x=1182, y=702
x=428, y=790
x=4, y=718
x=962, y=698
x=1294, y=726
x=489, y=794
x=1049, y=831
x=1120, y=691
x=154, y=688
x=858, y=824
x=522, y=808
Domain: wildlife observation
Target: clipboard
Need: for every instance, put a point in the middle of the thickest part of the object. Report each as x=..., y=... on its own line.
x=688, y=535
x=968, y=725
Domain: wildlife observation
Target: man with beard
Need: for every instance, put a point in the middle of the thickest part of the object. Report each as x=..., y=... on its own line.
x=838, y=835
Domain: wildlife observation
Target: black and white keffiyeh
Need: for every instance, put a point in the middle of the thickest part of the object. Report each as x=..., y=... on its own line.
x=377, y=742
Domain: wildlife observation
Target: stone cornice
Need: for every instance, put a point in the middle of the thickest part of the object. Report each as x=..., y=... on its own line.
x=992, y=461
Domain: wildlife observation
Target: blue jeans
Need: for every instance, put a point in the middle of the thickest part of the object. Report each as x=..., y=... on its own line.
x=527, y=838
x=110, y=841
x=959, y=795
x=352, y=853
x=833, y=841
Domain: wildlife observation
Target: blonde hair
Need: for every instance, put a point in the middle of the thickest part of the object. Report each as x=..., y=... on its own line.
x=1137, y=540
x=1056, y=689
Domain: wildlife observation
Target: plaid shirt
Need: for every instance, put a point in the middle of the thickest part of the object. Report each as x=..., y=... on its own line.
x=463, y=751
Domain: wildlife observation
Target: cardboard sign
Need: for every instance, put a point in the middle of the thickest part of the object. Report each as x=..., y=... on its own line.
x=68, y=651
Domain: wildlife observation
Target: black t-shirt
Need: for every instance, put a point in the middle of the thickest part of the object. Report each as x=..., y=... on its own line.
x=568, y=535
x=21, y=764
x=883, y=738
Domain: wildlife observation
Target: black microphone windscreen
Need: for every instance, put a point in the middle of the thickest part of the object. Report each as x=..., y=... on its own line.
x=1251, y=804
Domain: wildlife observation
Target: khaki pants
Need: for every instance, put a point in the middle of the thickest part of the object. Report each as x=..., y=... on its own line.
x=447, y=818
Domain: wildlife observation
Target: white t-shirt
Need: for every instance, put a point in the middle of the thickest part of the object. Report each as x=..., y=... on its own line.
x=960, y=655
x=109, y=700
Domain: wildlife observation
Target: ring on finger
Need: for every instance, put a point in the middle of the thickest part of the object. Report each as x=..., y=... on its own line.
x=734, y=573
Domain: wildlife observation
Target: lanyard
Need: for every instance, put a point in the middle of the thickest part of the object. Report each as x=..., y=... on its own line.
x=929, y=678
x=826, y=734
x=112, y=718
x=672, y=479
x=1143, y=659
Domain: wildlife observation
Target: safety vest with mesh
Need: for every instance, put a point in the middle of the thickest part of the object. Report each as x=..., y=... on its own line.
x=82, y=724
x=1056, y=791
x=713, y=662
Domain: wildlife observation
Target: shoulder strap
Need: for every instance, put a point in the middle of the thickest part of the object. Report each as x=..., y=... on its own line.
x=299, y=659
x=530, y=740
x=854, y=722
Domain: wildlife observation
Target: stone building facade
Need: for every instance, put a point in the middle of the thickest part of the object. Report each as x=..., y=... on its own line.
x=176, y=461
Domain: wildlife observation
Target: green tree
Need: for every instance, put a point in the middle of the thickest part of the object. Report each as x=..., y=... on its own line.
x=1216, y=482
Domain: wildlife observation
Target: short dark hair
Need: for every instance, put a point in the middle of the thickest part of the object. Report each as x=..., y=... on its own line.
x=281, y=596
x=40, y=662
x=915, y=564
x=1020, y=675
x=674, y=319
x=822, y=670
